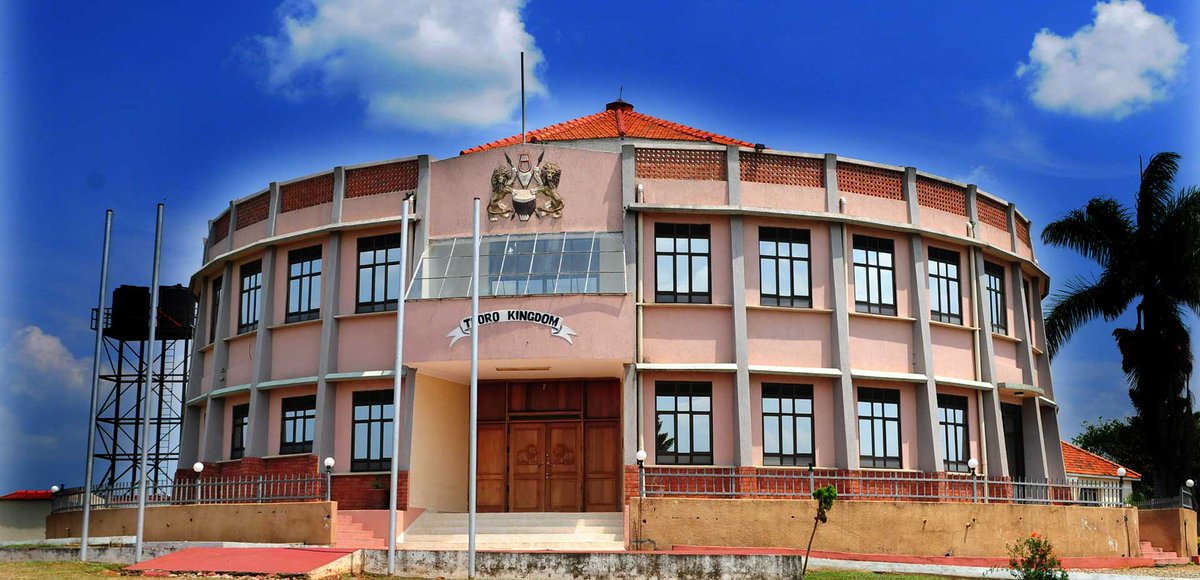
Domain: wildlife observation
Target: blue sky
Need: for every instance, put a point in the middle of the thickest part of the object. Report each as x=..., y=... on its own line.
x=123, y=104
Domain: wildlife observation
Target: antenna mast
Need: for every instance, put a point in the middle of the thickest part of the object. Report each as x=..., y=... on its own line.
x=522, y=97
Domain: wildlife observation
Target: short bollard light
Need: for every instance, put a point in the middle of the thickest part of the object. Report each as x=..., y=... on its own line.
x=973, y=464
x=54, y=489
x=1121, y=484
x=198, y=468
x=329, y=462
x=641, y=462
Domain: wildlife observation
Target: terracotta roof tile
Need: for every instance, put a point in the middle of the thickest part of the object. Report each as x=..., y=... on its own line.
x=28, y=494
x=1081, y=462
x=618, y=120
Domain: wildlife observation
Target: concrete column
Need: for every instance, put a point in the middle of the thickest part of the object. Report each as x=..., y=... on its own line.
x=1044, y=379
x=214, y=431
x=1051, y=441
x=327, y=363
x=1012, y=227
x=189, y=435
x=737, y=238
x=232, y=226
x=1021, y=322
x=991, y=425
x=845, y=417
x=1034, y=440
x=910, y=195
x=273, y=210
x=405, y=411
x=260, y=401
x=929, y=443
x=339, y=193
x=214, y=423
x=420, y=238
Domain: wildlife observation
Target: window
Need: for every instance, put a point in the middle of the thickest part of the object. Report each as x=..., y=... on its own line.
x=787, y=424
x=299, y=422
x=371, y=438
x=879, y=428
x=783, y=267
x=945, y=299
x=216, y=310
x=683, y=417
x=993, y=278
x=304, y=284
x=524, y=265
x=874, y=276
x=681, y=258
x=378, y=273
x=251, y=290
x=241, y=426
x=952, y=415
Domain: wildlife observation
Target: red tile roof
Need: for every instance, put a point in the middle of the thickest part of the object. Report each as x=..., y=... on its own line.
x=617, y=120
x=1080, y=462
x=28, y=494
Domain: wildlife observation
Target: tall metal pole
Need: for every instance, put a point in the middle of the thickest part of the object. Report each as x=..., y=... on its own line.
x=474, y=413
x=91, y=438
x=397, y=386
x=522, y=97
x=141, y=513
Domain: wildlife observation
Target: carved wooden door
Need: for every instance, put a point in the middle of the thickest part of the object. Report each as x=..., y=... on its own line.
x=564, y=467
x=526, y=467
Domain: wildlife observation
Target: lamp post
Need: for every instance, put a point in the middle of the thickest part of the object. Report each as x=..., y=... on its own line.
x=973, y=464
x=641, y=461
x=1190, y=484
x=1121, y=484
x=198, y=468
x=328, y=477
x=54, y=489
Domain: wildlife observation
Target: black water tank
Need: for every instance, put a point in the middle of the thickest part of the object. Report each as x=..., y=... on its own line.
x=131, y=313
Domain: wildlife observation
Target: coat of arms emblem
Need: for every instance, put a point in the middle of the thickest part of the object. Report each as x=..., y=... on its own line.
x=525, y=182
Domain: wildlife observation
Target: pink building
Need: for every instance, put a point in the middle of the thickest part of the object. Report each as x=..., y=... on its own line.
x=646, y=285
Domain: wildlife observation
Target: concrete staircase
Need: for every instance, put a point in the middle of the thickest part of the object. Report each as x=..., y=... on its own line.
x=585, y=532
x=351, y=534
x=1160, y=557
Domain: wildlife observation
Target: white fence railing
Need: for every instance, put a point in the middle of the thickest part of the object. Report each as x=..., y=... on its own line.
x=247, y=489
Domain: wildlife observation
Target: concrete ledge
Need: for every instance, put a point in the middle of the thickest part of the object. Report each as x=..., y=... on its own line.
x=310, y=523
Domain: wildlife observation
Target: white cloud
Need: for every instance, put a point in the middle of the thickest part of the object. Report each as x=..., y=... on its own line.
x=38, y=364
x=423, y=64
x=1125, y=60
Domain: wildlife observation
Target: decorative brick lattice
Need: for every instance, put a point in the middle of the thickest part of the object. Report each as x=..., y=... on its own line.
x=307, y=193
x=992, y=213
x=1023, y=231
x=870, y=181
x=220, y=229
x=680, y=164
x=385, y=178
x=941, y=195
x=253, y=210
x=782, y=169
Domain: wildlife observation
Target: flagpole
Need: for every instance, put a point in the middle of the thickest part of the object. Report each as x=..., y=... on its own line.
x=397, y=387
x=91, y=438
x=522, y=97
x=141, y=511
x=474, y=407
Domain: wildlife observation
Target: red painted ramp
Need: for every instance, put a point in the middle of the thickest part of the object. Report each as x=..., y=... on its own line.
x=280, y=561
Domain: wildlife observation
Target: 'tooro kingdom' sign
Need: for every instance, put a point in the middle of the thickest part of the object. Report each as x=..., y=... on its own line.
x=557, y=328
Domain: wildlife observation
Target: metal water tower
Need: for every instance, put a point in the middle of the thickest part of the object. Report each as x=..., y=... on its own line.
x=123, y=382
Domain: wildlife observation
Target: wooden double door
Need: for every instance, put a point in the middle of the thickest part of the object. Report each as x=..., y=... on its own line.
x=564, y=462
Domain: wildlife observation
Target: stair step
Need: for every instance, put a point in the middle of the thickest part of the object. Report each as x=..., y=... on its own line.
x=421, y=529
x=529, y=547
x=518, y=538
x=1161, y=555
x=1170, y=561
x=357, y=535
x=363, y=545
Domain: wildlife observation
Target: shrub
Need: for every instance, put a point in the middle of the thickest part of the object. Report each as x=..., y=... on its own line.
x=1033, y=558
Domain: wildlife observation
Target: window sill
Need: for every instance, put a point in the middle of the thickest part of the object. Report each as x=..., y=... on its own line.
x=684, y=305
x=241, y=336
x=204, y=349
x=365, y=314
x=282, y=455
x=881, y=316
x=1036, y=350
x=1006, y=338
x=295, y=324
x=796, y=309
x=353, y=473
x=953, y=325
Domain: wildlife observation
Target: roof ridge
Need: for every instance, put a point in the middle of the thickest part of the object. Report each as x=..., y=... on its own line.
x=687, y=129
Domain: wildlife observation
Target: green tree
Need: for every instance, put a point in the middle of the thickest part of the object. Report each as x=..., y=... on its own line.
x=1150, y=254
x=825, y=497
x=1120, y=441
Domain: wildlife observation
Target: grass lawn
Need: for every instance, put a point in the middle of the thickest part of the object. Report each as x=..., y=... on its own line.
x=89, y=570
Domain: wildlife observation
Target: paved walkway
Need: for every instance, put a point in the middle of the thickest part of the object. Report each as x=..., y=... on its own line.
x=277, y=561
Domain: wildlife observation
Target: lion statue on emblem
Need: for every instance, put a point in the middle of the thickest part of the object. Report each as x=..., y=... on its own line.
x=521, y=183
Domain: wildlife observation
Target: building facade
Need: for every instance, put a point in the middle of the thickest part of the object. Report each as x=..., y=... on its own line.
x=645, y=286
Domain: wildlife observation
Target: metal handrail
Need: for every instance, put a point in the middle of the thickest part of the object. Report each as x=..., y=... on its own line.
x=187, y=491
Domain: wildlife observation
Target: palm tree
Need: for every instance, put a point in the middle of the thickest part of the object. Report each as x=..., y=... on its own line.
x=1150, y=254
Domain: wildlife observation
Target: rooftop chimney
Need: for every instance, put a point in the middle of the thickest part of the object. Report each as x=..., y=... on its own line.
x=618, y=105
